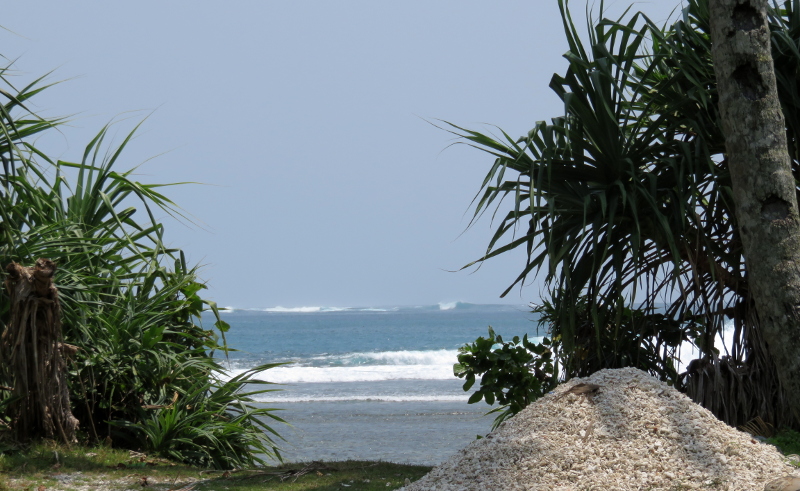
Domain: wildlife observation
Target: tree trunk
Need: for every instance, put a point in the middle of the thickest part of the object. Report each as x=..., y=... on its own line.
x=761, y=174
x=33, y=355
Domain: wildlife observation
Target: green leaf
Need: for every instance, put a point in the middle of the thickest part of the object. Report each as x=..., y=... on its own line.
x=476, y=397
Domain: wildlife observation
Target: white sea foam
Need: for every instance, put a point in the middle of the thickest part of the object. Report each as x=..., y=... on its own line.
x=689, y=352
x=369, y=373
x=363, y=367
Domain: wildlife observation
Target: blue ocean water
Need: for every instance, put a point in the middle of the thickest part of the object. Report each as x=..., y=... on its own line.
x=370, y=383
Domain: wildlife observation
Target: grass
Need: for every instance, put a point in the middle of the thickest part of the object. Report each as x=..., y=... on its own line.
x=787, y=441
x=57, y=467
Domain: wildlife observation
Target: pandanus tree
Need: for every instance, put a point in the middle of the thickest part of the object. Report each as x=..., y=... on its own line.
x=625, y=206
x=144, y=374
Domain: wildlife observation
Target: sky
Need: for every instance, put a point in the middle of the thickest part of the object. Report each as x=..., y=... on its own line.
x=310, y=125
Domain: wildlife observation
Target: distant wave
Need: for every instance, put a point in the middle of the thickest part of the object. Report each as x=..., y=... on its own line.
x=405, y=358
x=288, y=397
x=453, y=305
x=295, y=309
x=442, y=306
x=308, y=310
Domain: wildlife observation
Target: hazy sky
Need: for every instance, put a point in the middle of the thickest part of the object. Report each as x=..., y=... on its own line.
x=324, y=184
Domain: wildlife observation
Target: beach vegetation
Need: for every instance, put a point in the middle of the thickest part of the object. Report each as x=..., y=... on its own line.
x=624, y=207
x=145, y=373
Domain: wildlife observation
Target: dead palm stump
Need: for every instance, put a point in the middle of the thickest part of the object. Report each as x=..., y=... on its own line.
x=33, y=355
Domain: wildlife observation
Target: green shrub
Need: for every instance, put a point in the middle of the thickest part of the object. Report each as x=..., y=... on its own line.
x=512, y=373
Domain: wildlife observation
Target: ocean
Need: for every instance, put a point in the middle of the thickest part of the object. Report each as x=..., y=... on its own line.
x=370, y=383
